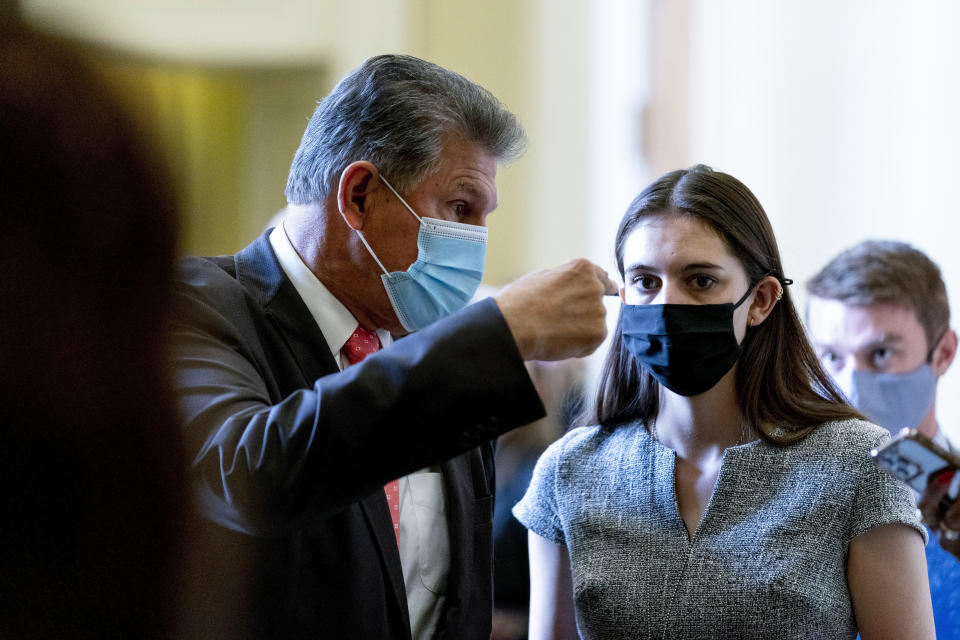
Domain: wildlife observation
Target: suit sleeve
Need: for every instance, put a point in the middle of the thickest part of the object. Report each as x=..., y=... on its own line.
x=266, y=466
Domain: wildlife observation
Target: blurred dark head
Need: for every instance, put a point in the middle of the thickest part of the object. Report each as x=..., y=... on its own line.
x=92, y=486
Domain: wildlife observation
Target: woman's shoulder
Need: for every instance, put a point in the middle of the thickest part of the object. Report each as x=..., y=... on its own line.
x=843, y=445
x=849, y=435
x=583, y=442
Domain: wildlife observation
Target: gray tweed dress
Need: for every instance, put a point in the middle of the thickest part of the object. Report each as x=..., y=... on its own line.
x=767, y=559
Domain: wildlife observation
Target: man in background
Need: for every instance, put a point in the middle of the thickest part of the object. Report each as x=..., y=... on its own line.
x=879, y=318
x=349, y=474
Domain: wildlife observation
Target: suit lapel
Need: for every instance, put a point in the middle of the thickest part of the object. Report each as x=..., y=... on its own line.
x=375, y=509
x=260, y=272
x=301, y=333
x=461, y=498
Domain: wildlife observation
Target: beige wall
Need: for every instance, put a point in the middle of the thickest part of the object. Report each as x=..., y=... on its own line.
x=841, y=117
x=231, y=86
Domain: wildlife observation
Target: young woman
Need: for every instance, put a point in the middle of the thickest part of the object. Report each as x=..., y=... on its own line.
x=726, y=491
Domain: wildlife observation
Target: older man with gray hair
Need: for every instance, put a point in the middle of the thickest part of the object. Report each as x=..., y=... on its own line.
x=345, y=475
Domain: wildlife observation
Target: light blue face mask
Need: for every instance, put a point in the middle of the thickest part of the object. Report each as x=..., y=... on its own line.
x=893, y=400
x=445, y=275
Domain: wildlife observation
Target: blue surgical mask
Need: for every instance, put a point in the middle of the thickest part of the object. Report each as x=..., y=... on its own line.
x=445, y=275
x=893, y=400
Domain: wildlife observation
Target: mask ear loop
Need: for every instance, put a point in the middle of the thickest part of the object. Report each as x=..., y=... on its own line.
x=749, y=291
x=370, y=251
x=400, y=198
x=409, y=208
x=936, y=343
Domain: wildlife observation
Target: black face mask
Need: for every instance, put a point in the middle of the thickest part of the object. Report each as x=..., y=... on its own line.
x=686, y=347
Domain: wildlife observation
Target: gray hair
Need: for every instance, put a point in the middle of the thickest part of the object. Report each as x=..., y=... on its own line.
x=394, y=111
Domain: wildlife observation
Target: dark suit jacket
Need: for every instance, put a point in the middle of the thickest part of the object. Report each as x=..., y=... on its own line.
x=290, y=455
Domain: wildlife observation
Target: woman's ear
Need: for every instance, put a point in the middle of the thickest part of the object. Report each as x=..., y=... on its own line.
x=357, y=181
x=766, y=296
x=944, y=352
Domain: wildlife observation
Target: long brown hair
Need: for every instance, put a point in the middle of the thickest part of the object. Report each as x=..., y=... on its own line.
x=779, y=382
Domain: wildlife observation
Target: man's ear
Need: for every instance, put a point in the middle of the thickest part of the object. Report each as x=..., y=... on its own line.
x=944, y=352
x=765, y=299
x=357, y=182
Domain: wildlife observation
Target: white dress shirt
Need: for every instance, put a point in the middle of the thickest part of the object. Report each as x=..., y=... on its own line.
x=424, y=538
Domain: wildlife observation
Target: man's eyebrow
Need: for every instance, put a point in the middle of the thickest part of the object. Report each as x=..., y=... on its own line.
x=475, y=193
x=470, y=187
x=886, y=338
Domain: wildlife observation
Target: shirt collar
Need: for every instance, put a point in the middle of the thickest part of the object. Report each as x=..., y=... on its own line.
x=335, y=320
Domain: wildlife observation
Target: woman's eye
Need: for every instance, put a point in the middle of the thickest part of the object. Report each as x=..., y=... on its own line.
x=646, y=282
x=703, y=282
x=459, y=209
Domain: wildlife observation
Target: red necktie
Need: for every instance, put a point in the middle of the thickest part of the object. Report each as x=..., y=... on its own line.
x=359, y=345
